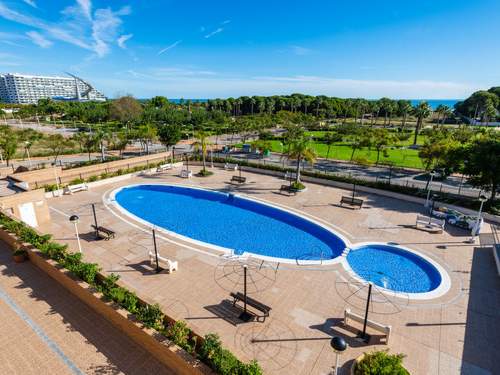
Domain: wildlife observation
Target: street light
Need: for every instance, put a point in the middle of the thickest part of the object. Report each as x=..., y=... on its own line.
x=339, y=345
x=477, y=226
x=27, y=148
x=432, y=174
x=74, y=219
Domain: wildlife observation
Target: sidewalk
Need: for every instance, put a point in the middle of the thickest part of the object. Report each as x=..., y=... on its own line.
x=46, y=330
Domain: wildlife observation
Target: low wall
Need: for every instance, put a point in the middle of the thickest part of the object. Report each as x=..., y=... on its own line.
x=175, y=358
x=12, y=203
x=49, y=176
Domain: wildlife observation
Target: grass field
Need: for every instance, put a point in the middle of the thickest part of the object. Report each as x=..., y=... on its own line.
x=342, y=151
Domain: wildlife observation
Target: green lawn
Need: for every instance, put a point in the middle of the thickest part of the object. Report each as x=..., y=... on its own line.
x=420, y=138
x=396, y=156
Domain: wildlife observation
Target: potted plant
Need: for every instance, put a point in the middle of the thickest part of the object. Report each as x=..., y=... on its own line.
x=19, y=255
x=379, y=362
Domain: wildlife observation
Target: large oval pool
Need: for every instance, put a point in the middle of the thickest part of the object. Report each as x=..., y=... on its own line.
x=395, y=268
x=232, y=222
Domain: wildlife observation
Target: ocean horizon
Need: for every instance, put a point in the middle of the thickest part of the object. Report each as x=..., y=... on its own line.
x=433, y=103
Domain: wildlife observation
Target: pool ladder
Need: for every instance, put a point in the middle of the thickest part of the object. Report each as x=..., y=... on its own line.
x=345, y=252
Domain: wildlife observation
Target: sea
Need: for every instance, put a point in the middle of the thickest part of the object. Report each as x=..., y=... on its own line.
x=434, y=103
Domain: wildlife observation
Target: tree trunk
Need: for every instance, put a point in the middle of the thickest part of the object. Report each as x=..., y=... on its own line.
x=417, y=129
x=297, y=178
x=352, y=154
x=328, y=152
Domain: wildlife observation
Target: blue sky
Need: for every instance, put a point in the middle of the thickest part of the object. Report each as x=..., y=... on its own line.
x=203, y=49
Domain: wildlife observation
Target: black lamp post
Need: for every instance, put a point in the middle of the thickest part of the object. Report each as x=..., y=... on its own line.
x=339, y=345
x=74, y=219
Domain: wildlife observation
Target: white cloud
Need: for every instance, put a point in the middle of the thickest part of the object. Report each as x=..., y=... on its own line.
x=122, y=39
x=30, y=3
x=173, y=45
x=86, y=7
x=216, y=31
x=78, y=26
x=225, y=22
x=39, y=39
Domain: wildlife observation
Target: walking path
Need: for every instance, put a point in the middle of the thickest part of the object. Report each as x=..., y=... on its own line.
x=46, y=330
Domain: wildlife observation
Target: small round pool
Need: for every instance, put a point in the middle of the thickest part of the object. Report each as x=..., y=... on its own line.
x=398, y=269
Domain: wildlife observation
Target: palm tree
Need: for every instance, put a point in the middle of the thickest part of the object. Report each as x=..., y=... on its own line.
x=301, y=149
x=330, y=139
x=421, y=111
x=201, y=145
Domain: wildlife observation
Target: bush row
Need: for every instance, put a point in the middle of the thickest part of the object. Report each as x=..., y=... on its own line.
x=209, y=350
x=382, y=185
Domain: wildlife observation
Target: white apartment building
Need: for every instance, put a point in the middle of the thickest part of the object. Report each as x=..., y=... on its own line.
x=28, y=89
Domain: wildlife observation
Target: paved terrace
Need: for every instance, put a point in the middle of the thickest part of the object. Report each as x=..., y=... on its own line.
x=44, y=329
x=457, y=333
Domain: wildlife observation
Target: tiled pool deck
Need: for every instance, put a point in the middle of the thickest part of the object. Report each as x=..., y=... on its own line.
x=458, y=333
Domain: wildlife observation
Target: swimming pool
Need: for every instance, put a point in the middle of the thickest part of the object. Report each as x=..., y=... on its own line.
x=398, y=269
x=231, y=222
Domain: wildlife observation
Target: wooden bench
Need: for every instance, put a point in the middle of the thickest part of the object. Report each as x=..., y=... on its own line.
x=264, y=309
x=186, y=173
x=289, y=189
x=230, y=167
x=104, y=233
x=70, y=189
x=386, y=330
x=351, y=201
x=290, y=175
x=238, y=179
x=164, y=263
x=429, y=223
x=164, y=167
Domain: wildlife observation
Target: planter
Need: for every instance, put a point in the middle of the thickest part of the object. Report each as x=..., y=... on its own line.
x=359, y=359
x=19, y=258
x=356, y=361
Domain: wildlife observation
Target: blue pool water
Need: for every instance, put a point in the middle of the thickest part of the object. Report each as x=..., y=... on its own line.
x=394, y=268
x=230, y=221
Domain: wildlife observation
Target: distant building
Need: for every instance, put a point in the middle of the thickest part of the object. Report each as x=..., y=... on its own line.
x=27, y=89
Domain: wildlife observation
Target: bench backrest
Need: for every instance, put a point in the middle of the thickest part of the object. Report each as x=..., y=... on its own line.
x=77, y=186
x=370, y=323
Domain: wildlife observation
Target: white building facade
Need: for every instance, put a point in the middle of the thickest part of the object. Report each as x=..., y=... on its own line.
x=28, y=89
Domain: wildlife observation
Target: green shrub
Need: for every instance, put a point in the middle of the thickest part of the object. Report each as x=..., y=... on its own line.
x=49, y=187
x=92, y=178
x=151, y=316
x=298, y=185
x=104, y=175
x=205, y=173
x=180, y=333
x=223, y=361
x=19, y=252
x=381, y=363
x=77, y=181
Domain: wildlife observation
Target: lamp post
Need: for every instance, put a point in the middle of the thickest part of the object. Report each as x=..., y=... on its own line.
x=27, y=148
x=476, y=229
x=74, y=219
x=338, y=345
x=432, y=174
